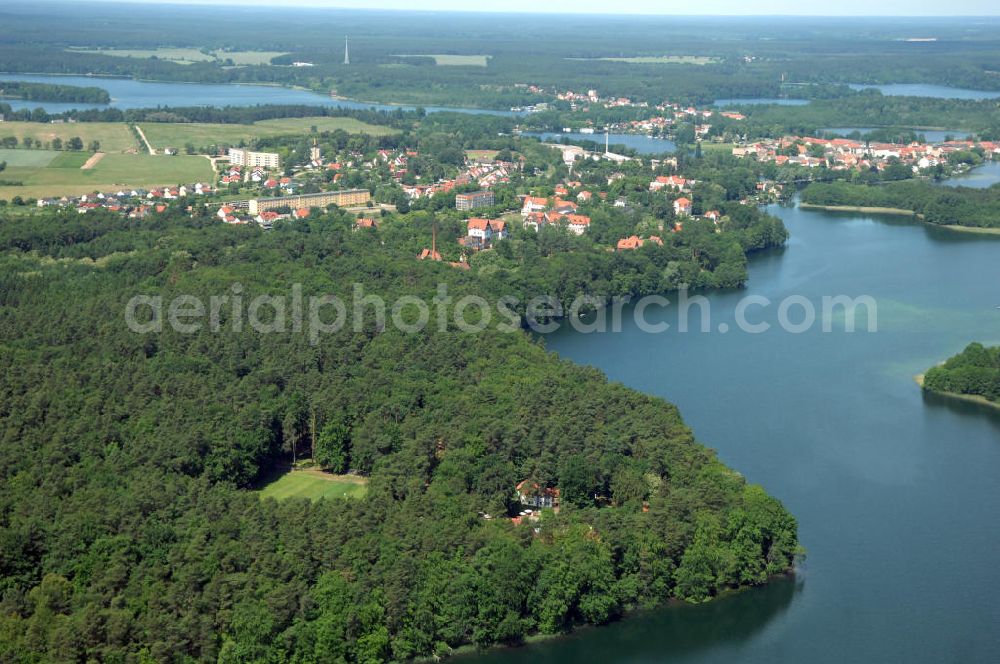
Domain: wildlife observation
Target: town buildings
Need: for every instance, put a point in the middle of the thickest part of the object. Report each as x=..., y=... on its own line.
x=342, y=198
x=241, y=157
x=474, y=200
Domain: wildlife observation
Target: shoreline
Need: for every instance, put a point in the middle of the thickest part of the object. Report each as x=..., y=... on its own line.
x=900, y=212
x=467, y=650
x=288, y=86
x=968, y=398
x=862, y=208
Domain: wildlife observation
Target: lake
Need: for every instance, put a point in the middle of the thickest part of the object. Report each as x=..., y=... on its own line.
x=896, y=492
x=128, y=93
x=980, y=177
x=780, y=101
x=932, y=135
x=642, y=144
x=927, y=90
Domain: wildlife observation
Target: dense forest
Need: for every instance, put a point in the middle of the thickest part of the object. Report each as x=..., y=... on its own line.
x=951, y=206
x=975, y=371
x=128, y=528
x=714, y=58
x=51, y=92
x=870, y=108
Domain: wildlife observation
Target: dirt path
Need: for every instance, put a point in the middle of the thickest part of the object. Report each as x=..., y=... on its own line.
x=96, y=157
x=144, y=139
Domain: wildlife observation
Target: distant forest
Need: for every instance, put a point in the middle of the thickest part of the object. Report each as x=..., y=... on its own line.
x=956, y=206
x=749, y=57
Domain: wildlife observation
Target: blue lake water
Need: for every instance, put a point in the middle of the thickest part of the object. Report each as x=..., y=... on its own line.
x=896, y=492
x=927, y=90
x=129, y=93
x=932, y=135
x=780, y=101
x=646, y=145
x=981, y=177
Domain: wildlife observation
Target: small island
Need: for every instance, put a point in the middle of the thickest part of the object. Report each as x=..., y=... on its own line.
x=69, y=94
x=972, y=375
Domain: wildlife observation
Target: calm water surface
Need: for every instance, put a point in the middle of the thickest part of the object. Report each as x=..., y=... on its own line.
x=896, y=492
x=980, y=177
x=927, y=90
x=639, y=143
x=128, y=93
x=780, y=101
x=931, y=135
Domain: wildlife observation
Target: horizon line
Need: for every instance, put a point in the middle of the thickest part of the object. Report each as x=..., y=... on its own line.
x=307, y=4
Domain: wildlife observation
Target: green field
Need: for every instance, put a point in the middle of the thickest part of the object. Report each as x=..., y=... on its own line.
x=445, y=60
x=314, y=484
x=60, y=173
x=248, y=57
x=665, y=60
x=187, y=56
x=113, y=136
x=482, y=154
x=708, y=146
x=204, y=134
x=26, y=159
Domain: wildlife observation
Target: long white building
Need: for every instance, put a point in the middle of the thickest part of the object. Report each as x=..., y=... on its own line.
x=251, y=159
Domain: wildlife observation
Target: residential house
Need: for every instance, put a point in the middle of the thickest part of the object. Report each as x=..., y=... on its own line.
x=533, y=204
x=577, y=223
x=531, y=494
x=682, y=206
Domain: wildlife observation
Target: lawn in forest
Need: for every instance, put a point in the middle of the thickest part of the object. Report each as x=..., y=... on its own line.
x=314, y=484
x=449, y=60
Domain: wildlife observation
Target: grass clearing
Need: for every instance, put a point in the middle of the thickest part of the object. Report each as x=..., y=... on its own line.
x=489, y=155
x=26, y=159
x=249, y=57
x=186, y=56
x=314, y=484
x=70, y=160
x=709, y=146
x=181, y=56
x=203, y=135
x=448, y=60
x=64, y=177
x=113, y=136
x=666, y=60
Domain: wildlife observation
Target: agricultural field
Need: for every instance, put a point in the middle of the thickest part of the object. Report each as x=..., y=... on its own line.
x=203, y=135
x=248, y=57
x=52, y=173
x=113, y=136
x=445, y=60
x=187, y=56
x=25, y=159
x=666, y=60
x=314, y=484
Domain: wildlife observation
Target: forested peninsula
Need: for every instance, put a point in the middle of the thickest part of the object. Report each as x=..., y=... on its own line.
x=975, y=372
x=964, y=207
x=54, y=93
x=131, y=528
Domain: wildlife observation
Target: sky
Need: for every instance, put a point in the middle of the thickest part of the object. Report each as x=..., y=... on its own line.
x=667, y=7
